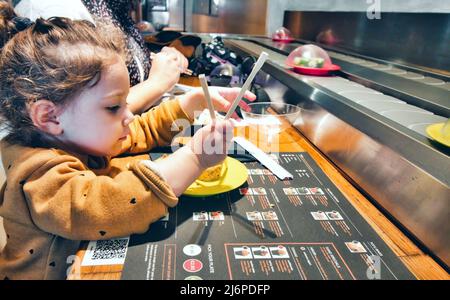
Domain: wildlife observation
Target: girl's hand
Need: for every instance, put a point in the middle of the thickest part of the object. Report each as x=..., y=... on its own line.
x=208, y=147
x=221, y=97
x=210, y=144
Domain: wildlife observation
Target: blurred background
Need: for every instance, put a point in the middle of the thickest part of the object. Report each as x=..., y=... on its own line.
x=259, y=17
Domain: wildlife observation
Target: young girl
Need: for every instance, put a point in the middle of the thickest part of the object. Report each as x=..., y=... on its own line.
x=62, y=96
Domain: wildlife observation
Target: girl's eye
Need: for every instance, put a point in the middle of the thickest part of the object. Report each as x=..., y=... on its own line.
x=114, y=108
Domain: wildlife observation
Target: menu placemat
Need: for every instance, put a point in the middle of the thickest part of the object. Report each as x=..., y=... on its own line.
x=268, y=229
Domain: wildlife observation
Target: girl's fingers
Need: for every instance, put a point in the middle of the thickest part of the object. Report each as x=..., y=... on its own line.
x=235, y=116
x=223, y=98
x=249, y=96
x=220, y=103
x=244, y=106
x=233, y=92
x=223, y=106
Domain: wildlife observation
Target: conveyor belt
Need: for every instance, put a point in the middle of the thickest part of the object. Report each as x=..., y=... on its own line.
x=430, y=91
x=437, y=80
x=360, y=94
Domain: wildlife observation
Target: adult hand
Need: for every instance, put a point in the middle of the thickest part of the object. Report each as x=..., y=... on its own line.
x=167, y=66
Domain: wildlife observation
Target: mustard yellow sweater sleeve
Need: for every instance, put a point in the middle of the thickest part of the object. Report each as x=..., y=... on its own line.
x=157, y=127
x=67, y=199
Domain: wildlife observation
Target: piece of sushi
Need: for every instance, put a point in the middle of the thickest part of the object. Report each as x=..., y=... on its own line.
x=309, y=62
x=212, y=173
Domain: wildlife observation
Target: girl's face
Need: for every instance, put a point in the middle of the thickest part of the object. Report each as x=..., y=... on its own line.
x=96, y=121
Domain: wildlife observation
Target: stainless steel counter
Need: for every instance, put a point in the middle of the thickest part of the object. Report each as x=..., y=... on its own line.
x=371, y=123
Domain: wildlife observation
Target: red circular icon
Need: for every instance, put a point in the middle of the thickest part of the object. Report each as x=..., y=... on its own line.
x=192, y=265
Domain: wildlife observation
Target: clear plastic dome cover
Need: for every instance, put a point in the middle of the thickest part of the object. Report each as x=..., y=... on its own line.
x=282, y=33
x=309, y=56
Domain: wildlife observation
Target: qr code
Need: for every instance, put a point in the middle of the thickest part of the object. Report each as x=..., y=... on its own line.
x=107, y=252
x=110, y=249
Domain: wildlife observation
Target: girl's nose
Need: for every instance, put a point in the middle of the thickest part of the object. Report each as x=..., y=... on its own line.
x=129, y=117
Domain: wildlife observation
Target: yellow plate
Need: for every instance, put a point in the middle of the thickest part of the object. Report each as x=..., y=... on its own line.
x=435, y=132
x=235, y=175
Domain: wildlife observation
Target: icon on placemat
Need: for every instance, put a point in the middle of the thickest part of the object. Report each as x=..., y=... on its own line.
x=269, y=215
x=192, y=250
x=355, y=247
x=279, y=252
x=259, y=191
x=200, y=216
x=192, y=265
x=334, y=215
x=316, y=191
x=242, y=252
x=216, y=215
x=254, y=216
x=319, y=215
x=267, y=172
x=303, y=191
x=290, y=191
x=261, y=252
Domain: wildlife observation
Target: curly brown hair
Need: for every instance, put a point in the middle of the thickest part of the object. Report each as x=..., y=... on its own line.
x=53, y=59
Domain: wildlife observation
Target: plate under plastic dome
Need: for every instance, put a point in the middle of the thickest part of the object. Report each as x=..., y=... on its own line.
x=312, y=60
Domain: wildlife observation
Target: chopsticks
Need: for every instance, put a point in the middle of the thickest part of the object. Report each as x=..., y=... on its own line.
x=187, y=71
x=259, y=63
x=204, y=84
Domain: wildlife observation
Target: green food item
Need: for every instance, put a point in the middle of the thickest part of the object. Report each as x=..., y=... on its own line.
x=320, y=62
x=304, y=61
x=297, y=60
x=316, y=63
x=310, y=63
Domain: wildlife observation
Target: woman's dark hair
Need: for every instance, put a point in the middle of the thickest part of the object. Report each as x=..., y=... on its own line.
x=50, y=59
x=7, y=27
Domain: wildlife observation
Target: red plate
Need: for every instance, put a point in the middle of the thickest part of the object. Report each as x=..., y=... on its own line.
x=282, y=40
x=316, y=71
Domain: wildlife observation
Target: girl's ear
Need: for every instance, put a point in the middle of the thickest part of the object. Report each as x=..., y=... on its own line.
x=44, y=115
